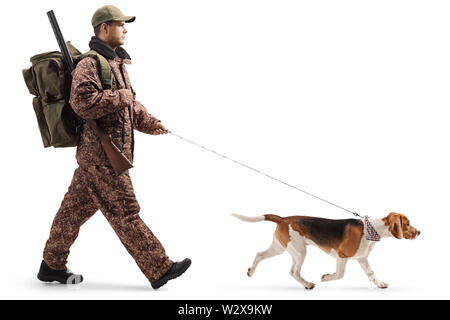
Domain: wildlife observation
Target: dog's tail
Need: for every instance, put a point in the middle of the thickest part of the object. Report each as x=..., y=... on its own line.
x=266, y=217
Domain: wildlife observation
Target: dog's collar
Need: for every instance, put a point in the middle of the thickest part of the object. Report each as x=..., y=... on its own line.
x=369, y=230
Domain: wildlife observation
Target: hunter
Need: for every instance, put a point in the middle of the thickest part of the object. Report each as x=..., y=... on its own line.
x=95, y=186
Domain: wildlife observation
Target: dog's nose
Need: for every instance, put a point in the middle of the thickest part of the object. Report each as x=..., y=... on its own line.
x=418, y=233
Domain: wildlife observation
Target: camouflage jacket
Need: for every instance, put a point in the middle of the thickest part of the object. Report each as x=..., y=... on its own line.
x=113, y=110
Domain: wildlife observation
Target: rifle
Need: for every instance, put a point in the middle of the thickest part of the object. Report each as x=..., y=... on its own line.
x=118, y=161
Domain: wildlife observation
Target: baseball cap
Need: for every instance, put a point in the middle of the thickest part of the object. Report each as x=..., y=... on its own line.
x=108, y=13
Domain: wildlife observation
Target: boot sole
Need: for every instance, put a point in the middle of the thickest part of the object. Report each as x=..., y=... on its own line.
x=174, y=276
x=70, y=280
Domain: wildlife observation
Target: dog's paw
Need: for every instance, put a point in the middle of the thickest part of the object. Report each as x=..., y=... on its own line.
x=382, y=285
x=250, y=272
x=327, y=277
x=309, y=285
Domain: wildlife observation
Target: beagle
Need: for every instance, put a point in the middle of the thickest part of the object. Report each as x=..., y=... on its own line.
x=342, y=239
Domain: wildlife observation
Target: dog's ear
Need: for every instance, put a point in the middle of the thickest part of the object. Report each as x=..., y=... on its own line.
x=396, y=226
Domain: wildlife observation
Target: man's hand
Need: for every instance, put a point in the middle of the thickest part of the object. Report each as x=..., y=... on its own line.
x=159, y=129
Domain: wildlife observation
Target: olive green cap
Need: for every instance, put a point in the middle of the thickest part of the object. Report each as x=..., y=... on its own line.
x=108, y=13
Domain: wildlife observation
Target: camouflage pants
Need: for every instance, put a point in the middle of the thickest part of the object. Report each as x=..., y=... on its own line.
x=94, y=188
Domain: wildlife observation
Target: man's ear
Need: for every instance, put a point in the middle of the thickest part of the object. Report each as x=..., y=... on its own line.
x=104, y=28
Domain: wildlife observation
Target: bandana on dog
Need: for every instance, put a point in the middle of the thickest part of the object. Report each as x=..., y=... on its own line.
x=369, y=230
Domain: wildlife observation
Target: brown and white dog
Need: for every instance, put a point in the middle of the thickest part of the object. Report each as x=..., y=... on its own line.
x=341, y=239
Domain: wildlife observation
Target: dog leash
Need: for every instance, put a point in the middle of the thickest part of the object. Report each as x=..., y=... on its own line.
x=264, y=174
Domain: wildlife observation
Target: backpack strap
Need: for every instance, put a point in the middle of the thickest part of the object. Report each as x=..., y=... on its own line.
x=105, y=71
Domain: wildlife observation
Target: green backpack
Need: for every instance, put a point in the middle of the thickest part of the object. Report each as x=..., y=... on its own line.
x=48, y=79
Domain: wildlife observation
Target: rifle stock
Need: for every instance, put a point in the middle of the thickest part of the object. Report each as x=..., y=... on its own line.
x=118, y=161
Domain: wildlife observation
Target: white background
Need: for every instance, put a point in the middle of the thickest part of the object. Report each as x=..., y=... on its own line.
x=346, y=99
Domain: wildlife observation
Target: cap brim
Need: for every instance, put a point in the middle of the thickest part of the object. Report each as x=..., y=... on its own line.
x=129, y=18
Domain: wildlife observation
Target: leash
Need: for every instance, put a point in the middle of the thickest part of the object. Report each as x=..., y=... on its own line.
x=264, y=174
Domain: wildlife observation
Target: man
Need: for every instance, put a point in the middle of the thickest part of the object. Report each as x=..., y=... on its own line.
x=94, y=185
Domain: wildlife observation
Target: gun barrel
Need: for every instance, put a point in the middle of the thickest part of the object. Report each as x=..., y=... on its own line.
x=59, y=37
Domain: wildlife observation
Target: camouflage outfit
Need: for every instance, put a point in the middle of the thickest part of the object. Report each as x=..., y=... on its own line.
x=94, y=185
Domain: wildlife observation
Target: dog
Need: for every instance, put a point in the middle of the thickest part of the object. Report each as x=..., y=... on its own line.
x=342, y=239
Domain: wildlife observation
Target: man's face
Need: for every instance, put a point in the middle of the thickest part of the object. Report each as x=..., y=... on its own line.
x=115, y=34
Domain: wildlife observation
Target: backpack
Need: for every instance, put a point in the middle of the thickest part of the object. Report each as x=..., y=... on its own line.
x=49, y=81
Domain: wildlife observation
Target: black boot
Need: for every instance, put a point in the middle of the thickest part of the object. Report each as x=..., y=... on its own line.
x=48, y=274
x=177, y=269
